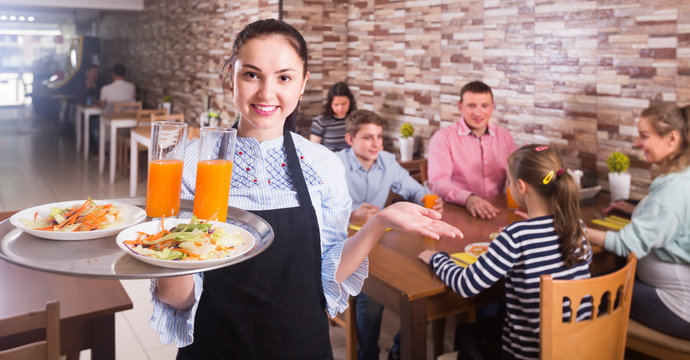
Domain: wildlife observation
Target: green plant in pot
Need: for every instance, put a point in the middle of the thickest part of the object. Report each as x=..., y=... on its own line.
x=619, y=180
x=406, y=141
x=167, y=103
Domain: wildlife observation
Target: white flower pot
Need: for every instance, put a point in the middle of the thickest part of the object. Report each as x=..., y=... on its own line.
x=167, y=106
x=619, y=185
x=406, y=148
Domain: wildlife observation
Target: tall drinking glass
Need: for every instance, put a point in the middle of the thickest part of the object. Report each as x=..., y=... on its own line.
x=166, y=156
x=214, y=172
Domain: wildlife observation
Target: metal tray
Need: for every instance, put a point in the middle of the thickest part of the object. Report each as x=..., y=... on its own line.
x=102, y=258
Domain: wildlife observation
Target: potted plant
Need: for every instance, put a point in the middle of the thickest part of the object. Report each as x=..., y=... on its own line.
x=167, y=103
x=619, y=180
x=406, y=142
x=210, y=118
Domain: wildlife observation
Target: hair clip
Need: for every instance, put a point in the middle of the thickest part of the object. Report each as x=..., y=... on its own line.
x=559, y=173
x=548, y=178
x=540, y=148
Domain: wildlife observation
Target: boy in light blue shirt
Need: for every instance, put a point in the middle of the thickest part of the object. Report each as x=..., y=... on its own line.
x=371, y=173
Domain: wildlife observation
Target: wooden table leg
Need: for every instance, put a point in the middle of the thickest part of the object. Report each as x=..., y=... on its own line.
x=412, y=329
x=351, y=328
x=103, y=338
x=438, y=327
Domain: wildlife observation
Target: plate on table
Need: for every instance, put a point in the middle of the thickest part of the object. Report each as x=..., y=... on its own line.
x=588, y=193
x=129, y=215
x=151, y=227
x=477, y=249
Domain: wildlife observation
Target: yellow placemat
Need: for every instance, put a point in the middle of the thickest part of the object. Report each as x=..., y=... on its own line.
x=463, y=259
x=357, y=227
x=608, y=224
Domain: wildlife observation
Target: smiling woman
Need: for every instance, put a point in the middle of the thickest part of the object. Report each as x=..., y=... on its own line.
x=275, y=305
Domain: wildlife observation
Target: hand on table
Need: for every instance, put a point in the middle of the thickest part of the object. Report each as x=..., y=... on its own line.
x=479, y=207
x=412, y=218
x=620, y=205
x=362, y=214
x=426, y=256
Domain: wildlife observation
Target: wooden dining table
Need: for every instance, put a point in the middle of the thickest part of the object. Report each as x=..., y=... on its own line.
x=403, y=283
x=87, y=307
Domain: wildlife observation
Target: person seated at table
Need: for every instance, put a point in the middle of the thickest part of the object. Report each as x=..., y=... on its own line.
x=88, y=91
x=551, y=241
x=328, y=128
x=659, y=230
x=120, y=90
x=371, y=174
x=467, y=160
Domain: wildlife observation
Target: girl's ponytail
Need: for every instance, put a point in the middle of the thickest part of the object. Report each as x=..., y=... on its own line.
x=566, y=214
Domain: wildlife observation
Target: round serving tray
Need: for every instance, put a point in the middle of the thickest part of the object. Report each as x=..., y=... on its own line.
x=102, y=258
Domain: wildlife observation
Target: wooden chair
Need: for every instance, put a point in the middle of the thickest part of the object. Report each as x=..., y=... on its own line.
x=651, y=342
x=601, y=337
x=127, y=106
x=348, y=321
x=424, y=170
x=48, y=319
x=413, y=167
x=143, y=117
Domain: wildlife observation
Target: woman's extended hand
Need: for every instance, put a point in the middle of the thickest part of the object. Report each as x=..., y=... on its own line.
x=416, y=219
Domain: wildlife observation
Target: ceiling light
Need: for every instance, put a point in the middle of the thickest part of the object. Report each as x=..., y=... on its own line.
x=30, y=18
x=30, y=32
x=3, y=17
x=21, y=18
x=13, y=18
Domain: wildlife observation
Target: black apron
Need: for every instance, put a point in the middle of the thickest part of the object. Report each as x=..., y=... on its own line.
x=271, y=306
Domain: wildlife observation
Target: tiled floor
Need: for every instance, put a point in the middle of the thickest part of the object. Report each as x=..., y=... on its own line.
x=39, y=164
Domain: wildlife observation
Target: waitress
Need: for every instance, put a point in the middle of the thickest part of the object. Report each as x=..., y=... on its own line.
x=274, y=305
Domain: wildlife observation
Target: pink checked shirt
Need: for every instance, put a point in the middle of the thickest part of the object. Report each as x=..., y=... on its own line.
x=461, y=164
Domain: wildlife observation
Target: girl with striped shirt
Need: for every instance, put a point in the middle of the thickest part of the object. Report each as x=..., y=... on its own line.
x=551, y=241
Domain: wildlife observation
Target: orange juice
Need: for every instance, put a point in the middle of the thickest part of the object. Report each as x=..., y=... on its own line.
x=509, y=199
x=212, y=188
x=430, y=200
x=163, y=188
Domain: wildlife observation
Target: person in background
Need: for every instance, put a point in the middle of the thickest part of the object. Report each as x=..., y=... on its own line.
x=467, y=160
x=371, y=174
x=275, y=305
x=89, y=91
x=120, y=90
x=328, y=128
x=659, y=230
x=551, y=241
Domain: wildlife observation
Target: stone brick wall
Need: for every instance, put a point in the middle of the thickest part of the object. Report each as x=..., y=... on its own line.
x=571, y=74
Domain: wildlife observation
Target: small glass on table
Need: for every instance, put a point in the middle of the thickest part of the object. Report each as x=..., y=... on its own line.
x=429, y=197
x=166, y=157
x=214, y=172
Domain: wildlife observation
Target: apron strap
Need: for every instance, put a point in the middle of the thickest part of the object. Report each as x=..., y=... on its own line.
x=295, y=169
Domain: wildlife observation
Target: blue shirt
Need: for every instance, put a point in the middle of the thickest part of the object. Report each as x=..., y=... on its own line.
x=373, y=186
x=260, y=182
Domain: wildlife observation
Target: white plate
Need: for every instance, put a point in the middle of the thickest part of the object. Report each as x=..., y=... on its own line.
x=590, y=192
x=152, y=227
x=470, y=246
x=130, y=215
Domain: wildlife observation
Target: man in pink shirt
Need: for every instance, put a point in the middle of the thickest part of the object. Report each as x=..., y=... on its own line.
x=467, y=160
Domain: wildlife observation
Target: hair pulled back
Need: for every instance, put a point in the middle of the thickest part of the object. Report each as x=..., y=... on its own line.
x=339, y=89
x=665, y=118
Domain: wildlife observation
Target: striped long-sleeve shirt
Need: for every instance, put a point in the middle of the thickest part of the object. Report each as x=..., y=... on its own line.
x=523, y=252
x=260, y=182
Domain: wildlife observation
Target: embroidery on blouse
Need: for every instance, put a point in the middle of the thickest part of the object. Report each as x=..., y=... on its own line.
x=276, y=167
x=244, y=169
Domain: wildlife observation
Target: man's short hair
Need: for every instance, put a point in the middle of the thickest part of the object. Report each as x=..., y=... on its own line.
x=476, y=87
x=119, y=70
x=357, y=118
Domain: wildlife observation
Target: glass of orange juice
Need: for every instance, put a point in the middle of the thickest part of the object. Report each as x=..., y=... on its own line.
x=429, y=197
x=166, y=156
x=214, y=172
x=510, y=201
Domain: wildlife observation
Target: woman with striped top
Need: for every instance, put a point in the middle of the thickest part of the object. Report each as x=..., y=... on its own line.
x=551, y=241
x=274, y=306
x=328, y=129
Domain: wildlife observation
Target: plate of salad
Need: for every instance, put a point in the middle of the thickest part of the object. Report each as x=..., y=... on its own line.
x=185, y=243
x=78, y=219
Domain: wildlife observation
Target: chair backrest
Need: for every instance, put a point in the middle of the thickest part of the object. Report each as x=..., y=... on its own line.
x=127, y=106
x=600, y=337
x=144, y=116
x=423, y=170
x=169, y=117
x=48, y=319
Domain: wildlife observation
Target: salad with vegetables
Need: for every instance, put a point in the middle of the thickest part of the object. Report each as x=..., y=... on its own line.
x=186, y=242
x=85, y=217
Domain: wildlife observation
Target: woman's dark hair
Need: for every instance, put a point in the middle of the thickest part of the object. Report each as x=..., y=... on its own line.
x=339, y=89
x=262, y=29
x=665, y=118
x=541, y=167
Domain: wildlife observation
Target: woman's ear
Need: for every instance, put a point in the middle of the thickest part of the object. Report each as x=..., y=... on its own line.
x=673, y=139
x=304, y=83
